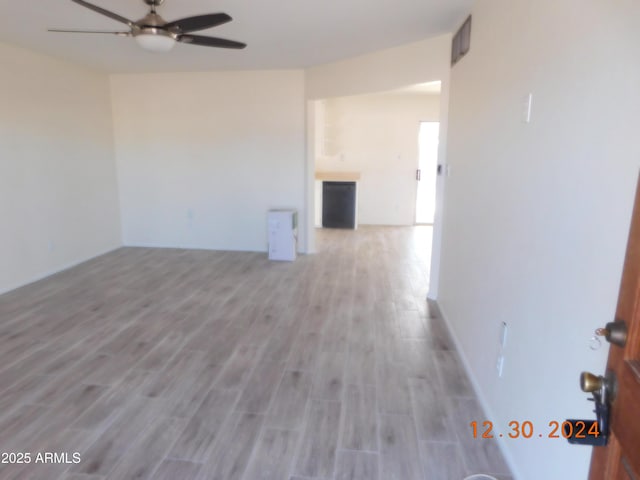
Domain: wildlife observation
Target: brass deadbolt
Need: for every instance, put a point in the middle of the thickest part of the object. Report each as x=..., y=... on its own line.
x=615, y=332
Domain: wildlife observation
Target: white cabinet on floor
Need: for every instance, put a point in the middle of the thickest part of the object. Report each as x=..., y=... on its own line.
x=283, y=234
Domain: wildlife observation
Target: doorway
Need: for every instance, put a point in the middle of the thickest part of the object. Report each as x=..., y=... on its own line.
x=428, y=143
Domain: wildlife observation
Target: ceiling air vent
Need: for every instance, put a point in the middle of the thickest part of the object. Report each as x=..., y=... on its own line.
x=461, y=42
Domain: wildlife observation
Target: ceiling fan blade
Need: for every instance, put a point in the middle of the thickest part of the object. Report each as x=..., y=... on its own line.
x=105, y=12
x=200, y=22
x=210, y=41
x=120, y=34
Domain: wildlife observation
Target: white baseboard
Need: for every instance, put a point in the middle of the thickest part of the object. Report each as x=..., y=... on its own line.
x=208, y=249
x=477, y=390
x=73, y=264
x=190, y=247
x=62, y=268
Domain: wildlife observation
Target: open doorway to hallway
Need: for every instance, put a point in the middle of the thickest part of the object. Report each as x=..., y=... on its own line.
x=370, y=140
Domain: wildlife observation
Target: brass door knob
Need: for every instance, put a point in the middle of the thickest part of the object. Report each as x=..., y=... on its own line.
x=590, y=382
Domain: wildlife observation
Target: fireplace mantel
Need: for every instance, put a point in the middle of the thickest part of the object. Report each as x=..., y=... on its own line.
x=338, y=176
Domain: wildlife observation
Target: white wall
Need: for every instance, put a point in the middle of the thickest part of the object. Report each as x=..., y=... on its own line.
x=58, y=194
x=419, y=62
x=377, y=135
x=202, y=157
x=537, y=214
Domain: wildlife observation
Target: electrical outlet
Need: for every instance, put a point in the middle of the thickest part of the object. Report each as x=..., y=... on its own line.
x=527, y=102
x=500, y=365
x=51, y=246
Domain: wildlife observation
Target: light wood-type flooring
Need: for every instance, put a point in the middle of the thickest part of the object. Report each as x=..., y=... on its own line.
x=195, y=365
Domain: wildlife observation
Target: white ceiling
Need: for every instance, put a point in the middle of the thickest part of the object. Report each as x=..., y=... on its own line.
x=280, y=34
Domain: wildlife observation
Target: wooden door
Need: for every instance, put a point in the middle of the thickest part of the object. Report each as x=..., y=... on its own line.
x=620, y=459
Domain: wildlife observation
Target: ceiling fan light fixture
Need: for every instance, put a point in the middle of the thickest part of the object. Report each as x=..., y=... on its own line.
x=154, y=42
x=154, y=34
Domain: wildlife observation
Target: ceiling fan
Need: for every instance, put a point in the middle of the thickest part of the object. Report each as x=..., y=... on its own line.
x=154, y=33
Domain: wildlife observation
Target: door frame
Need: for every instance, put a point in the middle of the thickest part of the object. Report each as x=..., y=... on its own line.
x=415, y=215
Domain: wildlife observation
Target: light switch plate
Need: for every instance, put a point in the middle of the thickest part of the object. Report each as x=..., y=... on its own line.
x=503, y=334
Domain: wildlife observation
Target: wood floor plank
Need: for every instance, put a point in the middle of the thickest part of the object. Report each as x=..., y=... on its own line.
x=452, y=375
x=161, y=354
x=281, y=342
x=106, y=369
x=171, y=380
x=273, y=455
x=177, y=470
x=134, y=381
x=239, y=367
x=357, y=466
x=21, y=393
x=305, y=352
x=219, y=344
x=437, y=333
x=134, y=340
x=399, y=450
x=79, y=399
x=361, y=364
x=18, y=426
x=149, y=451
x=53, y=438
x=360, y=423
x=33, y=364
x=288, y=407
x=132, y=420
x=44, y=464
x=263, y=326
x=389, y=345
x=361, y=331
x=260, y=387
x=335, y=335
x=410, y=324
x=56, y=386
x=80, y=476
x=230, y=457
x=481, y=456
x=432, y=417
x=395, y=397
x=329, y=379
x=404, y=299
x=443, y=460
x=200, y=433
x=319, y=443
x=419, y=360
x=103, y=411
x=184, y=401
x=318, y=312
x=383, y=315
